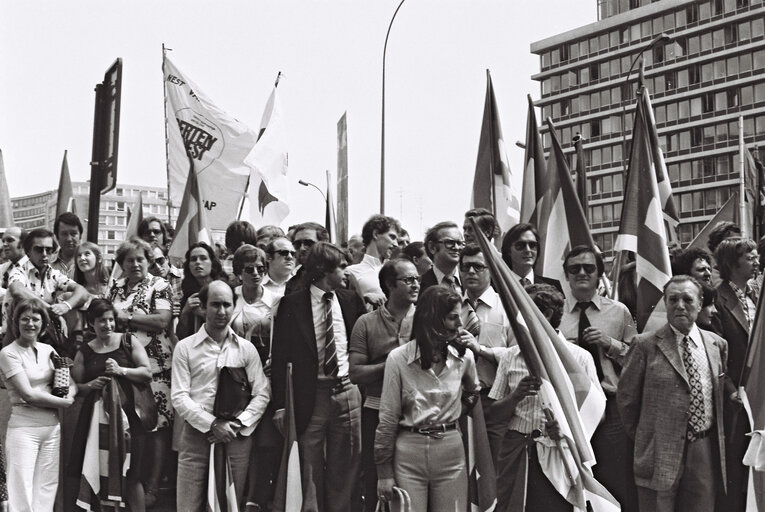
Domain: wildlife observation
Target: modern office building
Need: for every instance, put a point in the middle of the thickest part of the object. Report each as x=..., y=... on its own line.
x=39, y=210
x=704, y=73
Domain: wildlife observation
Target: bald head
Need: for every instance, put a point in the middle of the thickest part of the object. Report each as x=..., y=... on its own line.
x=12, y=244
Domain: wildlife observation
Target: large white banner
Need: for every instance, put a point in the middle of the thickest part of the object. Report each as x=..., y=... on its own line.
x=216, y=144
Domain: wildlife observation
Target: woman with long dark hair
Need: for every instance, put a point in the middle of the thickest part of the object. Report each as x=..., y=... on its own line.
x=428, y=383
x=200, y=267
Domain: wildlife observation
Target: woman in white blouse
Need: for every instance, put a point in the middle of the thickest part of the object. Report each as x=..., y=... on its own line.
x=33, y=441
x=417, y=445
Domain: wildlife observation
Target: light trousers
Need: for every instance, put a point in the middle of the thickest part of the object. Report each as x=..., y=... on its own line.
x=432, y=471
x=32, y=458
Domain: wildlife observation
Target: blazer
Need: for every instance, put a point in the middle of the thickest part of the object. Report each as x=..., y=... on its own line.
x=653, y=399
x=548, y=280
x=294, y=341
x=732, y=324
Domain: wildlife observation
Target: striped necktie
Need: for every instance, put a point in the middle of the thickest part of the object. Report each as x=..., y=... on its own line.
x=472, y=323
x=330, y=350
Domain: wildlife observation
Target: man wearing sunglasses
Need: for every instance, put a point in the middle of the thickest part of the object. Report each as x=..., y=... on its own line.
x=520, y=249
x=604, y=328
x=380, y=239
x=304, y=237
x=443, y=243
x=280, y=256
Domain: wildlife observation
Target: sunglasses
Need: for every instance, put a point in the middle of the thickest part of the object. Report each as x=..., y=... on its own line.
x=303, y=243
x=251, y=269
x=160, y=261
x=285, y=252
x=589, y=268
x=520, y=245
x=452, y=244
x=408, y=280
x=41, y=249
x=478, y=267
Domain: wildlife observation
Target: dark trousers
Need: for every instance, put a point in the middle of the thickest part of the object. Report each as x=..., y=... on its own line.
x=369, y=420
x=736, y=442
x=614, y=456
x=695, y=488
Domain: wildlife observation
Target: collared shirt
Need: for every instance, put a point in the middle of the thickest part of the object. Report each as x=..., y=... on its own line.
x=197, y=361
x=745, y=298
x=529, y=276
x=705, y=372
x=61, y=266
x=35, y=362
x=7, y=301
x=496, y=332
x=320, y=327
x=413, y=397
x=374, y=335
x=364, y=276
x=528, y=414
x=46, y=285
x=174, y=279
x=276, y=289
x=253, y=321
x=440, y=276
x=614, y=320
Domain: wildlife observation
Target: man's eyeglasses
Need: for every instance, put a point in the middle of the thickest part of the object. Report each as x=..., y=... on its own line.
x=452, y=244
x=41, y=249
x=251, y=269
x=307, y=243
x=285, y=252
x=520, y=245
x=409, y=280
x=478, y=267
x=575, y=268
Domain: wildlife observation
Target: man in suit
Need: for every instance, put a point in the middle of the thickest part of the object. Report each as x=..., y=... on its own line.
x=670, y=397
x=305, y=236
x=443, y=243
x=311, y=330
x=520, y=249
x=737, y=261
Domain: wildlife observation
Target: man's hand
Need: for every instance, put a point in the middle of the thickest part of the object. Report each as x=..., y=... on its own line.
x=595, y=336
x=223, y=431
x=553, y=430
x=279, y=422
x=528, y=386
x=468, y=341
x=60, y=308
x=375, y=299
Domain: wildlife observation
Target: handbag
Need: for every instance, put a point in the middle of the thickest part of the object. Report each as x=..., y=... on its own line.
x=405, y=502
x=144, y=406
x=233, y=394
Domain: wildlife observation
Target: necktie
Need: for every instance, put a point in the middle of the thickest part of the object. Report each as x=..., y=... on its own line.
x=525, y=282
x=452, y=283
x=696, y=420
x=584, y=323
x=330, y=351
x=472, y=323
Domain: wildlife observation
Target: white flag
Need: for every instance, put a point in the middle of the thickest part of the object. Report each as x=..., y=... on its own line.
x=268, y=184
x=199, y=131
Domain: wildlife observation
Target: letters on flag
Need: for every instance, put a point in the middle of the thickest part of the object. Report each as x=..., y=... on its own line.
x=216, y=143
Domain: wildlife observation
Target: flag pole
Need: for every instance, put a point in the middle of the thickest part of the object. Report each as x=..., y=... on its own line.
x=745, y=227
x=167, y=141
x=260, y=134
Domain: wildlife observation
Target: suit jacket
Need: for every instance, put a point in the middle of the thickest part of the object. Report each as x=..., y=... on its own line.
x=294, y=340
x=732, y=324
x=548, y=280
x=653, y=399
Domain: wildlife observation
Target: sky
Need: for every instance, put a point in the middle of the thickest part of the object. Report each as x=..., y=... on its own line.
x=52, y=53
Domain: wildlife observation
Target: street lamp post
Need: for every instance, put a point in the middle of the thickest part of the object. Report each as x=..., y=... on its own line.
x=382, y=125
x=309, y=184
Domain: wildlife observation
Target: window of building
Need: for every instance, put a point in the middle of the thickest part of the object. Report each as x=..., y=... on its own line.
x=594, y=129
x=671, y=112
x=696, y=136
x=744, y=62
x=759, y=59
x=110, y=235
x=681, y=17
x=758, y=27
x=595, y=100
x=720, y=69
x=705, y=10
x=707, y=72
x=584, y=48
x=759, y=92
x=645, y=28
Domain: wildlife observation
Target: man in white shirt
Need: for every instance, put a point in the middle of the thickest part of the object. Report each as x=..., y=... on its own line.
x=379, y=236
x=197, y=361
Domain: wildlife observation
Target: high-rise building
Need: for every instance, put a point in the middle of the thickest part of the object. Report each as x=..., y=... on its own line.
x=704, y=68
x=39, y=210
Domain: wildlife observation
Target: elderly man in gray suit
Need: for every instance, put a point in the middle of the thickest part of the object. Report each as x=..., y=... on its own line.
x=670, y=398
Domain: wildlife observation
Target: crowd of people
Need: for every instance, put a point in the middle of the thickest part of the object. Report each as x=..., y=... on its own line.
x=126, y=380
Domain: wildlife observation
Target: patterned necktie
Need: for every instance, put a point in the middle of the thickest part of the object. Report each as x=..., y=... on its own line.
x=472, y=323
x=330, y=351
x=584, y=323
x=696, y=420
x=525, y=282
x=452, y=283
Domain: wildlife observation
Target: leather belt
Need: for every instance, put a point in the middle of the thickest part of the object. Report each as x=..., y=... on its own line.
x=433, y=431
x=695, y=436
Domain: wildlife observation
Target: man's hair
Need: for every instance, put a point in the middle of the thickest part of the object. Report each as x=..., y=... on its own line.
x=582, y=249
x=722, y=230
x=379, y=223
x=512, y=236
x=322, y=259
x=67, y=218
x=38, y=233
x=270, y=249
x=143, y=227
x=685, y=259
x=322, y=235
x=486, y=221
x=432, y=234
x=245, y=254
x=729, y=251
x=388, y=273
x=469, y=250
x=547, y=297
x=685, y=278
x=204, y=292
x=238, y=233
x=413, y=250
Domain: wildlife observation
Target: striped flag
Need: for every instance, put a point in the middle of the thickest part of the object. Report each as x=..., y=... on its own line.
x=568, y=395
x=65, y=196
x=752, y=196
x=561, y=222
x=728, y=212
x=642, y=229
x=482, y=480
x=289, y=490
x=221, y=493
x=492, y=185
x=191, y=226
x=534, y=170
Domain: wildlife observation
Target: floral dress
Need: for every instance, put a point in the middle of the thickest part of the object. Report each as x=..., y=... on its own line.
x=149, y=296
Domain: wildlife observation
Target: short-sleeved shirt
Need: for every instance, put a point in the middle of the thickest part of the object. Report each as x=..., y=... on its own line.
x=36, y=363
x=46, y=285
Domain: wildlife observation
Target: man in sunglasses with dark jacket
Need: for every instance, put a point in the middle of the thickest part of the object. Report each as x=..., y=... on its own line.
x=604, y=328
